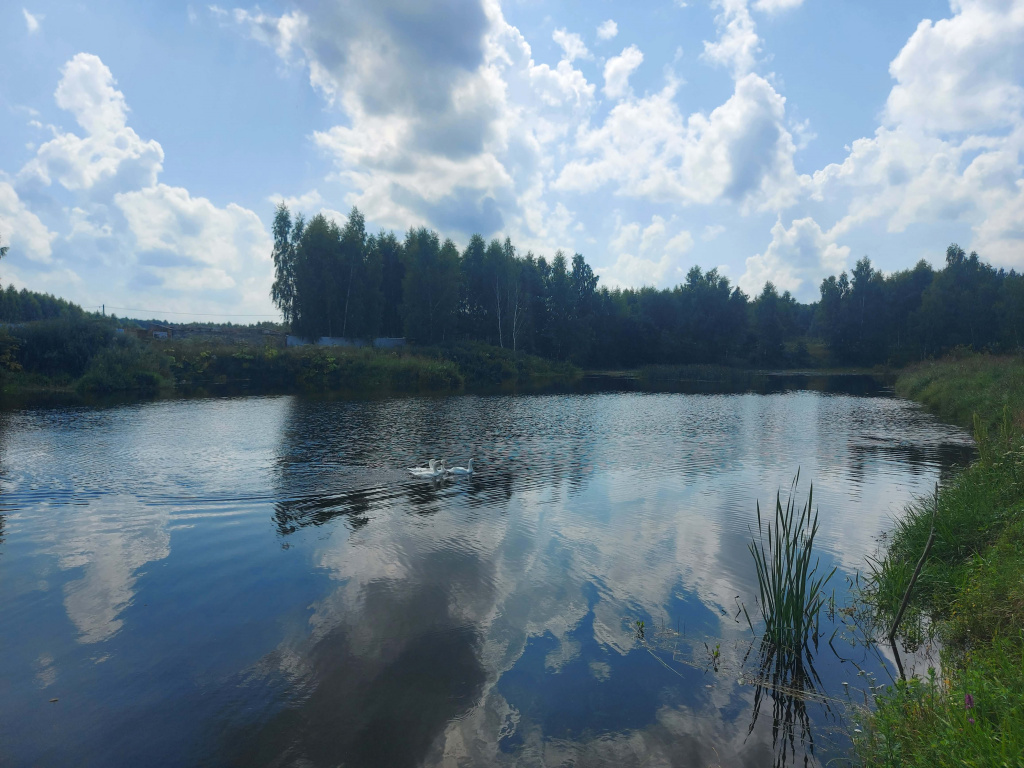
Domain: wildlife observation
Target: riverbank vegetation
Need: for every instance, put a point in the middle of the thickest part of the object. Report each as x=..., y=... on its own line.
x=502, y=317
x=84, y=353
x=970, y=593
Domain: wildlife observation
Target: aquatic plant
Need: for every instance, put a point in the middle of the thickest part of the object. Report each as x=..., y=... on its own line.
x=791, y=595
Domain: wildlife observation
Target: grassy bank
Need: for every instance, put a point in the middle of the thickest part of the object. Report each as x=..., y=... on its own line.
x=89, y=356
x=971, y=589
x=960, y=386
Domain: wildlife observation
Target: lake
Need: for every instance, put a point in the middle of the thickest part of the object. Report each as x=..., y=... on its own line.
x=259, y=580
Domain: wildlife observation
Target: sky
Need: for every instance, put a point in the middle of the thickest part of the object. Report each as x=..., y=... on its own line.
x=144, y=146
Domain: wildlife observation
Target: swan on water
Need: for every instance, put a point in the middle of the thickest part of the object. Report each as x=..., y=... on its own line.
x=431, y=470
x=462, y=470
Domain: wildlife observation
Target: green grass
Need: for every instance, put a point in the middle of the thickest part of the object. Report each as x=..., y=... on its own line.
x=927, y=723
x=971, y=589
x=959, y=386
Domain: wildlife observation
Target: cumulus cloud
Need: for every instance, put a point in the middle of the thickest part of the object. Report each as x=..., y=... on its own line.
x=618, y=69
x=961, y=74
x=738, y=44
x=431, y=134
x=210, y=248
x=606, y=30
x=952, y=133
x=110, y=153
x=129, y=233
x=32, y=20
x=647, y=255
x=571, y=43
x=741, y=152
x=795, y=260
x=22, y=229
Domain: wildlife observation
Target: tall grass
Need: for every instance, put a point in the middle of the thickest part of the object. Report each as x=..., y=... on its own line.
x=971, y=589
x=787, y=574
x=975, y=508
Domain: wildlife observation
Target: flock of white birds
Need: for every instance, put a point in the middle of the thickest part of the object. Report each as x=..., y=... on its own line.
x=439, y=468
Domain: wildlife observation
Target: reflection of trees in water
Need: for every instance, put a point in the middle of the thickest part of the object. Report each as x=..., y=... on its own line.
x=4, y=419
x=948, y=458
x=787, y=676
x=420, y=498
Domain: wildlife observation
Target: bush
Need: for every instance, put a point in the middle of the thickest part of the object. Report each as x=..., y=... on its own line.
x=126, y=366
x=61, y=347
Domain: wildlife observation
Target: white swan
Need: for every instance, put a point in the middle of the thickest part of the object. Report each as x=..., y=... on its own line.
x=462, y=470
x=431, y=470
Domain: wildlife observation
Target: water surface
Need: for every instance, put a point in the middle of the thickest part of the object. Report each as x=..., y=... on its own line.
x=258, y=581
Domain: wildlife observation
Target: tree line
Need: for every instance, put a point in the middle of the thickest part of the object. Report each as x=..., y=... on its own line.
x=870, y=317
x=337, y=280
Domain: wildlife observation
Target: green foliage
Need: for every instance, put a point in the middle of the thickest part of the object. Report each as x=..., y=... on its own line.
x=932, y=722
x=788, y=581
x=127, y=365
x=333, y=280
x=483, y=365
x=971, y=589
x=27, y=306
x=908, y=315
x=199, y=365
x=62, y=347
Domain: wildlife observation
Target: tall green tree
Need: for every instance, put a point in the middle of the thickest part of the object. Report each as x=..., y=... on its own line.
x=430, y=287
x=282, y=292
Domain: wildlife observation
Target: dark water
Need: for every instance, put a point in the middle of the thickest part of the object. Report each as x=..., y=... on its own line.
x=258, y=581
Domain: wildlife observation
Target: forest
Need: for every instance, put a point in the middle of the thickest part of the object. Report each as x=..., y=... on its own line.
x=334, y=279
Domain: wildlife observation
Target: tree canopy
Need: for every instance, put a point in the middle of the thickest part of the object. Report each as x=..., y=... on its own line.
x=334, y=279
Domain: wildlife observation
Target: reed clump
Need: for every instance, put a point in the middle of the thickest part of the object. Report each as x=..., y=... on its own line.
x=788, y=578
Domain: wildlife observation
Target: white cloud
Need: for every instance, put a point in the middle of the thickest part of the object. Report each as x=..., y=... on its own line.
x=32, y=20
x=606, y=30
x=952, y=135
x=571, y=43
x=795, y=260
x=646, y=255
x=110, y=152
x=432, y=135
x=618, y=69
x=961, y=74
x=775, y=6
x=738, y=45
x=711, y=231
x=21, y=229
x=214, y=249
x=131, y=235
x=740, y=152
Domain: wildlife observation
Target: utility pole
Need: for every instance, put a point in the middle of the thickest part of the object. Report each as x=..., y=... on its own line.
x=104, y=306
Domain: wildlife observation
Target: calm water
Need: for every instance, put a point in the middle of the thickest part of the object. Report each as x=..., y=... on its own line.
x=258, y=581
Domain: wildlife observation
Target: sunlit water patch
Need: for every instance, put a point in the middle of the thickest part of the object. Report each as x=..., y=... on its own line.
x=259, y=581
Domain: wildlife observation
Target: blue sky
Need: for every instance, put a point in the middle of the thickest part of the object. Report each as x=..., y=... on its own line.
x=145, y=144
